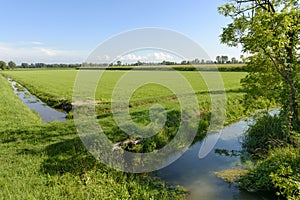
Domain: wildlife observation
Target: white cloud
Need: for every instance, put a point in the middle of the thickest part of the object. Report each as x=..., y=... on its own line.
x=33, y=54
x=34, y=51
x=131, y=57
x=49, y=52
x=37, y=43
x=146, y=57
x=162, y=56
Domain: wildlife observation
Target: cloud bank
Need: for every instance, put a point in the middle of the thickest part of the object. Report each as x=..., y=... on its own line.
x=34, y=52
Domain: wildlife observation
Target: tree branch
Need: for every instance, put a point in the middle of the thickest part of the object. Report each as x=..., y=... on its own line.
x=266, y=5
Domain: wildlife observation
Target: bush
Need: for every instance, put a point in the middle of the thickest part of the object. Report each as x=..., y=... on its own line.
x=279, y=172
x=267, y=133
x=287, y=183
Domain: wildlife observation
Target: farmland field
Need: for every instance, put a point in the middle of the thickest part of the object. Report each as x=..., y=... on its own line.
x=59, y=83
x=56, y=86
x=53, y=86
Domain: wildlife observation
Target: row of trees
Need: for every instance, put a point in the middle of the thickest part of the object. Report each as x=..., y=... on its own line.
x=225, y=60
x=219, y=60
x=12, y=65
x=43, y=65
x=9, y=65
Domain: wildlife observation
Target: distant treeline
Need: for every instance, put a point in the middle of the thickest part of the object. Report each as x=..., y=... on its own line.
x=222, y=68
x=43, y=65
x=192, y=65
x=219, y=60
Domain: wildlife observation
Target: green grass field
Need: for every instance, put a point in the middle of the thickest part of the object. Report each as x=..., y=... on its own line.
x=59, y=83
x=48, y=161
x=56, y=86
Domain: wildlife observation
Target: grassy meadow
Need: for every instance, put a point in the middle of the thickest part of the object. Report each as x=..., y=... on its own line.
x=48, y=161
x=59, y=83
x=56, y=86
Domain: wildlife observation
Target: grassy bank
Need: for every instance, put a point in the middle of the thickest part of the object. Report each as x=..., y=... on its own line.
x=13, y=113
x=48, y=161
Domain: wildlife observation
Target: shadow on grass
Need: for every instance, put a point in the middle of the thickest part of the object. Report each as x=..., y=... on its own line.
x=68, y=156
x=63, y=150
x=39, y=133
x=104, y=109
x=58, y=141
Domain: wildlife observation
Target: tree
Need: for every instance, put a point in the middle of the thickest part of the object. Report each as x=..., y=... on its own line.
x=119, y=63
x=24, y=65
x=197, y=61
x=183, y=62
x=3, y=65
x=218, y=58
x=41, y=65
x=234, y=60
x=269, y=31
x=224, y=59
x=242, y=57
x=12, y=65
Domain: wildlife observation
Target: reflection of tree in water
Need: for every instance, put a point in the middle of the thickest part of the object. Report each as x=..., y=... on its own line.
x=233, y=153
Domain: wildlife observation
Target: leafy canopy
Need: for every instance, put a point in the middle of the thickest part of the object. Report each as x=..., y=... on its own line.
x=268, y=30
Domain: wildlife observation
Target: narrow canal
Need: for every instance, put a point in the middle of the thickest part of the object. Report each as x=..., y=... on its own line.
x=47, y=113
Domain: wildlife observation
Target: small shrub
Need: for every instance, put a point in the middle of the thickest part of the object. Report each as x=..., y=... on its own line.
x=287, y=183
x=279, y=172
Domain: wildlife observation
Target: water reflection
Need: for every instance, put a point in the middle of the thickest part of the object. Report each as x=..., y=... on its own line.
x=47, y=113
x=197, y=175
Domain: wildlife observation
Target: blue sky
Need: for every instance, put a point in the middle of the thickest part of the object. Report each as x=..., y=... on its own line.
x=67, y=31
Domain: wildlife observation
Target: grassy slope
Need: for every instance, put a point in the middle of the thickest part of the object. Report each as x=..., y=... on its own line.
x=48, y=161
x=12, y=112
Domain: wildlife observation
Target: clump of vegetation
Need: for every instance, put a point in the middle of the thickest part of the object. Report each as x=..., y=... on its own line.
x=278, y=172
x=231, y=175
x=278, y=167
x=267, y=133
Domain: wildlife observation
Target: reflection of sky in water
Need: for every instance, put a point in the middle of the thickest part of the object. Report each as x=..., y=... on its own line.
x=47, y=113
x=197, y=175
x=237, y=129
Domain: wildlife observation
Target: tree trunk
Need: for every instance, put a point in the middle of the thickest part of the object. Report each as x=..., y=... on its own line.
x=291, y=75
